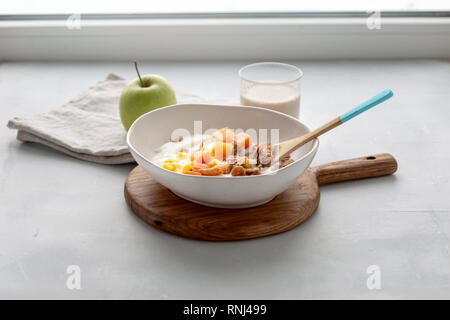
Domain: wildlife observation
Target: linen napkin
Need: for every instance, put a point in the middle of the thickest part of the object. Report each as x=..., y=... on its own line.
x=87, y=127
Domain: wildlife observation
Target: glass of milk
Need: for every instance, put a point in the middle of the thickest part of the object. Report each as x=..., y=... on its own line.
x=271, y=85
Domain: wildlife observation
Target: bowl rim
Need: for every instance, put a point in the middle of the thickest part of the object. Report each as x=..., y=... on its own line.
x=313, y=149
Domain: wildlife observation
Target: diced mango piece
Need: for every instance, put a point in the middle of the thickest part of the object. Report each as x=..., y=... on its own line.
x=182, y=155
x=171, y=166
x=213, y=163
x=188, y=167
x=247, y=163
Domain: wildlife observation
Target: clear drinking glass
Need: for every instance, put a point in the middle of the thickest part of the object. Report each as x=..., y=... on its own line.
x=272, y=85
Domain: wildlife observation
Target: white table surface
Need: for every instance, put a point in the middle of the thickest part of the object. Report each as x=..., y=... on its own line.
x=58, y=211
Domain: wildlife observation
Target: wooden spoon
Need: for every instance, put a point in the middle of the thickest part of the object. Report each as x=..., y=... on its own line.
x=288, y=146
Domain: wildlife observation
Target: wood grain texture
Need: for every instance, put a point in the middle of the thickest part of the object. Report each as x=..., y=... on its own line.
x=358, y=168
x=162, y=209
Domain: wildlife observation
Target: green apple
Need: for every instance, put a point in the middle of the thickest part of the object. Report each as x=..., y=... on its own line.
x=142, y=95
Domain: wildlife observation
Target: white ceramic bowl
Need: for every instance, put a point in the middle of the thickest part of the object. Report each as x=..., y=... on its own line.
x=155, y=128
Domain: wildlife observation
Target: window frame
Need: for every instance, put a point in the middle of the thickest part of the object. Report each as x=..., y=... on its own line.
x=226, y=36
x=230, y=15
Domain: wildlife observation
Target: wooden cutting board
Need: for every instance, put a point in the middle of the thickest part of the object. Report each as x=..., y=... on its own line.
x=162, y=209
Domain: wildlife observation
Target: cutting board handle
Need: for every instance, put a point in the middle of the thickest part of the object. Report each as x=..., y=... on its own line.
x=359, y=168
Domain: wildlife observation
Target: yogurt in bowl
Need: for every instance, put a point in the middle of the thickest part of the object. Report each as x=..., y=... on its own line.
x=222, y=153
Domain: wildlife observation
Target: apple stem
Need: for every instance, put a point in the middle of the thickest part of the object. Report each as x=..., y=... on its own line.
x=139, y=75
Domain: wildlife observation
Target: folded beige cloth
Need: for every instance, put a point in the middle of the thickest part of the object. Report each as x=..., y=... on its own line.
x=88, y=127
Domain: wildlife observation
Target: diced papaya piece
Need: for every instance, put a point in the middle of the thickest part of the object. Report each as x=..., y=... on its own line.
x=224, y=135
x=242, y=140
x=221, y=150
x=201, y=156
x=199, y=166
x=193, y=173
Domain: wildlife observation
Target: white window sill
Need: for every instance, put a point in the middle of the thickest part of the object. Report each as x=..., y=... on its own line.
x=214, y=39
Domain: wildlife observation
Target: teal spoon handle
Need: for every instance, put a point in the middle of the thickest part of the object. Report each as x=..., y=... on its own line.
x=366, y=105
x=288, y=146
